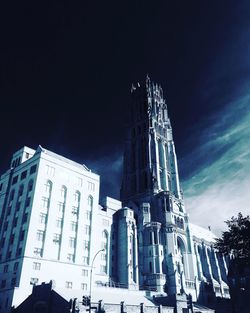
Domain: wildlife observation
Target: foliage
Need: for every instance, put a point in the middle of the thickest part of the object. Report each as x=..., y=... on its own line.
x=236, y=240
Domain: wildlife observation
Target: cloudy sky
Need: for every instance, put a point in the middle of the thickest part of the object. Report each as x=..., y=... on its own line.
x=65, y=77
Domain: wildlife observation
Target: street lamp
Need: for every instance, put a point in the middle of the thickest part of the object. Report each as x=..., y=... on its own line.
x=91, y=272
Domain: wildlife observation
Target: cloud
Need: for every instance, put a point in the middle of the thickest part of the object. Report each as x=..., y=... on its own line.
x=219, y=187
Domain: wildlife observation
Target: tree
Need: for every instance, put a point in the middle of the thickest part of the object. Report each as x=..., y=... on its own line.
x=236, y=240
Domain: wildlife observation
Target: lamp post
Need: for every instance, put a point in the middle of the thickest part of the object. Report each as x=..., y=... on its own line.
x=91, y=272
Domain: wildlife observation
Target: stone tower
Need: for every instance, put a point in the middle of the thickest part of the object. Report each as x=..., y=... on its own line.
x=151, y=187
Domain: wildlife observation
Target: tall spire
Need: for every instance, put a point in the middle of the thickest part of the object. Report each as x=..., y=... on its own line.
x=150, y=164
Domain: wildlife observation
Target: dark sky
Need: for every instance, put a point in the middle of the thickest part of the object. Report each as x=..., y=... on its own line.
x=66, y=70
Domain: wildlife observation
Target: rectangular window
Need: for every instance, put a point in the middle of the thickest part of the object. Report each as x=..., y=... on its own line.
x=33, y=169
x=5, y=269
x=13, y=281
x=72, y=242
x=40, y=235
x=45, y=202
x=85, y=273
x=14, y=180
x=88, y=215
x=22, y=233
x=23, y=175
x=25, y=217
x=69, y=284
x=1, y=186
x=57, y=239
x=5, y=226
x=36, y=266
x=86, y=229
x=50, y=170
x=84, y=286
x=18, y=205
x=8, y=211
x=34, y=281
x=60, y=206
x=43, y=218
x=91, y=186
x=27, y=202
x=59, y=222
x=86, y=245
x=30, y=186
x=74, y=210
x=15, y=266
x=85, y=260
x=18, y=251
x=73, y=226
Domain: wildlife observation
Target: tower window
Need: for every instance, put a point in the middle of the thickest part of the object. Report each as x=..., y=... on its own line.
x=14, y=180
x=3, y=283
x=33, y=169
x=15, y=266
x=23, y=175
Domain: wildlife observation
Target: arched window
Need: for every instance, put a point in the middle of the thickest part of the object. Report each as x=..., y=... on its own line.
x=90, y=202
x=63, y=192
x=77, y=196
x=181, y=223
x=48, y=186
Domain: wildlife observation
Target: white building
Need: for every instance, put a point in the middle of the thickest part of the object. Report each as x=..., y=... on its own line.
x=52, y=225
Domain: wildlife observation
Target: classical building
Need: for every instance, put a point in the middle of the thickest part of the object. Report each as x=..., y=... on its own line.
x=52, y=226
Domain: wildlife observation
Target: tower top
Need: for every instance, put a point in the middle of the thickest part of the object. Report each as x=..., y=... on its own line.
x=150, y=164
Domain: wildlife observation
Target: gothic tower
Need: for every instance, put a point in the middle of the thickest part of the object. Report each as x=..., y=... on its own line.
x=151, y=187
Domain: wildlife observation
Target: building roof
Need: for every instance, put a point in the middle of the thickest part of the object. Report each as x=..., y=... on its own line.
x=62, y=158
x=202, y=233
